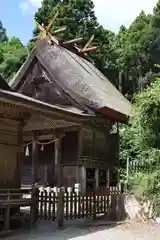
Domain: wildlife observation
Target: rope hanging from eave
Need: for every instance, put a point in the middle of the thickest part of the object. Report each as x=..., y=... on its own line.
x=40, y=143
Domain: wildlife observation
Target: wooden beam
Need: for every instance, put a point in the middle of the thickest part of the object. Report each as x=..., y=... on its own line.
x=81, y=54
x=47, y=137
x=58, y=168
x=89, y=42
x=52, y=177
x=19, y=155
x=34, y=38
x=96, y=178
x=51, y=22
x=108, y=177
x=86, y=50
x=59, y=30
x=77, y=48
x=44, y=32
x=55, y=40
x=72, y=41
x=79, y=151
x=80, y=143
x=40, y=27
x=34, y=160
x=46, y=174
x=94, y=141
x=83, y=179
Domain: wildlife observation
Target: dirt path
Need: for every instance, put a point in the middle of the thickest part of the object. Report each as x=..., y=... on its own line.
x=131, y=231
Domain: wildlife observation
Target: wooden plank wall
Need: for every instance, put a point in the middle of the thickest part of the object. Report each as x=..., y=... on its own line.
x=9, y=147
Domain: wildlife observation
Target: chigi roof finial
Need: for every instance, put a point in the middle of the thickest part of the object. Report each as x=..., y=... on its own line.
x=45, y=33
x=86, y=48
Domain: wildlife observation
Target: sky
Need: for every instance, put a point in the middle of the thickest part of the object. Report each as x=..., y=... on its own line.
x=17, y=16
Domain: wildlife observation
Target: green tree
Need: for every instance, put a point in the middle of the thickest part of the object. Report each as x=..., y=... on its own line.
x=140, y=142
x=155, y=34
x=133, y=48
x=3, y=35
x=78, y=16
x=13, y=56
x=1, y=56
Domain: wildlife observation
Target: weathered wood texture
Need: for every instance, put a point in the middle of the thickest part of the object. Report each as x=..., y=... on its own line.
x=75, y=205
x=12, y=198
x=71, y=175
x=9, y=149
x=113, y=149
x=97, y=152
x=58, y=160
x=11, y=111
x=70, y=147
x=39, y=84
x=35, y=163
x=94, y=143
x=68, y=153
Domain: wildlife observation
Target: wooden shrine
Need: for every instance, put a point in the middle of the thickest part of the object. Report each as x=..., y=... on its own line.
x=85, y=146
x=16, y=114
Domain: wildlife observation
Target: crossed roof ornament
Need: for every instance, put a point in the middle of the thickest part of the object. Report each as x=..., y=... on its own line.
x=45, y=32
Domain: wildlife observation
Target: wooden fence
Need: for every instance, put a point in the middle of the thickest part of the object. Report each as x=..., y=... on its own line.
x=74, y=205
x=56, y=205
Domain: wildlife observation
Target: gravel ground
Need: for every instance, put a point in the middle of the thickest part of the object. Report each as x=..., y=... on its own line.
x=129, y=230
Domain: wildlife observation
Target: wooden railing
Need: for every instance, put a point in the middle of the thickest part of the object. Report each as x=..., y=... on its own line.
x=13, y=199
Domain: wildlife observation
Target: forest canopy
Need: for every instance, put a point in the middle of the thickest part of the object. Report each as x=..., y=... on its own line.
x=128, y=58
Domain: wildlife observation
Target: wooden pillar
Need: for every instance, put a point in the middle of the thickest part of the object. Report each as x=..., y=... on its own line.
x=80, y=143
x=60, y=209
x=97, y=177
x=19, y=157
x=35, y=192
x=83, y=181
x=34, y=161
x=34, y=205
x=79, y=154
x=58, y=167
x=53, y=167
x=46, y=174
x=94, y=142
x=108, y=177
x=118, y=158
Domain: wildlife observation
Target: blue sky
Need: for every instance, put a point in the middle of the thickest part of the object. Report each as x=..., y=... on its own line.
x=18, y=15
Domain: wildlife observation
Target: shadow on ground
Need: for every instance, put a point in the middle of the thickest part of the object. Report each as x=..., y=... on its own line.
x=73, y=229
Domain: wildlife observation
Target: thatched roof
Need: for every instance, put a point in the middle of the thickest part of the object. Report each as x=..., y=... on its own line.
x=79, y=79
